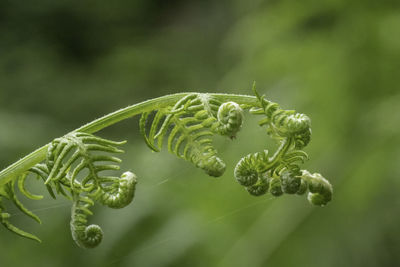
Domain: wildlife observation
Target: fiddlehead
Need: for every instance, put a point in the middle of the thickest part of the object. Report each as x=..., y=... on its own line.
x=283, y=123
x=73, y=168
x=120, y=193
x=260, y=187
x=83, y=235
x=230, y=119
x=250, y=168
x=281, y=172
x=320, y=189
x=73, y=165
x=189, y=126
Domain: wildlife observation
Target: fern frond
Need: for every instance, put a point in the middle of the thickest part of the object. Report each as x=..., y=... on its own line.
x=281, y=173
x=74, y=164
x=73, y=168
x=230, y=119
x=83, y=235
x=9, y=193
x=157, y=122
x=120, y=193
x=10, y=189
x=260, y=187
x=189, y=126
x=250, y=168
x=283, y=123
x=4, y=216
x=74, y=154
x=320, y=189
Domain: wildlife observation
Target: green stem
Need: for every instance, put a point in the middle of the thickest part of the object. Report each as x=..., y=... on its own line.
x=283, y=148
x=37, y=156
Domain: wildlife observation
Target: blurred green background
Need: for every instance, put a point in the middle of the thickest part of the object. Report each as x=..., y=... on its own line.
x=64, y=63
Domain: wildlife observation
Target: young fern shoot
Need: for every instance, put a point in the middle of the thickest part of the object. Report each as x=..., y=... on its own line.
x=73, y=165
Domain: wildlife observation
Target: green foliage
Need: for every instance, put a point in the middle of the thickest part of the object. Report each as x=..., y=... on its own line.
x=281, y=172
x=74, y=164
x=9, y=193
x=336, y=61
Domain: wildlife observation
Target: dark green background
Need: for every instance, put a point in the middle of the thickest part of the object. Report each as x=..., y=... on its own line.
x=64, y=63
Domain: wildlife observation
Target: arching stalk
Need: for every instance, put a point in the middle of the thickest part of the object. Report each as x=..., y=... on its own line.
x=73, y=165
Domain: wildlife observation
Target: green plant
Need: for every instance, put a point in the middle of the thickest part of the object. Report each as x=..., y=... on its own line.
x=72, y=165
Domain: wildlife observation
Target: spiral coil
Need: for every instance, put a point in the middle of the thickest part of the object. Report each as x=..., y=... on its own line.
x=281, y=173
x=189, y=126
x=83, y=235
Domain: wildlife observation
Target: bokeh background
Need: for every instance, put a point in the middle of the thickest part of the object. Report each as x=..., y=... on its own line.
x=64, y=63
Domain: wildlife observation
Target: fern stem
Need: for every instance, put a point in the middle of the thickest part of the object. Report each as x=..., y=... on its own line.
x=37, y=156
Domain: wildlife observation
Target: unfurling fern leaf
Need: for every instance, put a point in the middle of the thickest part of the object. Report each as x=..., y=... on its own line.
x=230, y=119
x=260, y=187
x=189, y=138
x=83, y=235
x=250, y=168
x=275, y=187
x=320, y=189
x=292, y=130
x=74, y=154
x=74, y=165
x=189, y=126
x=120, y=193
x=290, y=182
x=283, y=123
